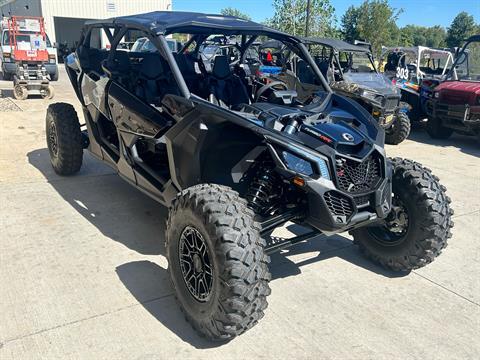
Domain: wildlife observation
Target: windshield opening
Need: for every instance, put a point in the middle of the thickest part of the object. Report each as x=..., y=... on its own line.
x=25, y=37
x=357, y=62
x=468, y=63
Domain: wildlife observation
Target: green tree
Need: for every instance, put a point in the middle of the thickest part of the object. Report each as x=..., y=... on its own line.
x=376, y=23
x=413, y=35
x=235, y=12
x=290, y=16
x=461, y=28
x=349, y=24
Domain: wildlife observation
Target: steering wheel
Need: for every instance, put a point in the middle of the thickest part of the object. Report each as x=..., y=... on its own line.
x=274, y=85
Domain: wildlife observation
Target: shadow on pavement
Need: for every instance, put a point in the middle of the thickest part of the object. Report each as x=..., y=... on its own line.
x=115, y=208
x=147, y=281
x=125, y=215
x=335, y=246
x=467, y=144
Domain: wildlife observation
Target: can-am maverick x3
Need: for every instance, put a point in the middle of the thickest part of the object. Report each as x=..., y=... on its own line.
x=234, y=155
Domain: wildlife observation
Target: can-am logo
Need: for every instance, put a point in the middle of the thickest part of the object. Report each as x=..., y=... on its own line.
x=348, y=137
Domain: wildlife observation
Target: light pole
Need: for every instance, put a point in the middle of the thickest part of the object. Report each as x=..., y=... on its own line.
x=308, y=18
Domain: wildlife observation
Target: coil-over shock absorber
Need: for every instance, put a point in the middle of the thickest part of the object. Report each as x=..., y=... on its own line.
x=265, y=190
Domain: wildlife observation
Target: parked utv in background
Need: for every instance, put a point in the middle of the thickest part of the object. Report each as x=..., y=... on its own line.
x=416, y=71
x=455, y=105
x=351, y=71
x=234, y=154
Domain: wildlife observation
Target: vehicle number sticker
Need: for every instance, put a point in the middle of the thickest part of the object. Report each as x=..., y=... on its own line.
x=402, y=73
x=31, y=53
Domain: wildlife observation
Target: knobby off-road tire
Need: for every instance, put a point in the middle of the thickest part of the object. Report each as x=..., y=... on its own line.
x=64, y=139
x=436, y=130
x=429, y=221
x=237, y=260
x=399, y=130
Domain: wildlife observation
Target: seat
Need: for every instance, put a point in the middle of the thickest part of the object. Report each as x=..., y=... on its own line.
x=226, y=87
x=155, y=79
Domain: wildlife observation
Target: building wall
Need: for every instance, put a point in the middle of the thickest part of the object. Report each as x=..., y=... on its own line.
x=97, y=9
x=82, y=9
x=21, y=8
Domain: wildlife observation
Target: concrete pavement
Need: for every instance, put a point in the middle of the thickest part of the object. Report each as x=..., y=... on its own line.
x=83, y=271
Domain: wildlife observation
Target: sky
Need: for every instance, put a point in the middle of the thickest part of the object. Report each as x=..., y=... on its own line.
x=418, y=12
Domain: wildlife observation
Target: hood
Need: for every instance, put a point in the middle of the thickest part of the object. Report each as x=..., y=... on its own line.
x=459, y=92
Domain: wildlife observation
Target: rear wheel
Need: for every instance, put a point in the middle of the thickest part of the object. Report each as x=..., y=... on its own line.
x=436, y=130
x=399, y=130
x=216, y=261
x=418, y=227
x=64, y=139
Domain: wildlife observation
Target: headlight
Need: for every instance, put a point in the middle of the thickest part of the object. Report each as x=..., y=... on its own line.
x=436, y=95
x=371, y=95
x=305, y=167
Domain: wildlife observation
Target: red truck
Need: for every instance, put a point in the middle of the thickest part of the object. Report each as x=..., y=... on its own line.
x=455, y=106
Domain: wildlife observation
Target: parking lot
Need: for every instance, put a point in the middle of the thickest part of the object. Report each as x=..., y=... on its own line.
x=83, y=269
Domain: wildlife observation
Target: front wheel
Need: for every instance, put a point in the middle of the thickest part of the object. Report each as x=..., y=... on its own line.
x=436, y=130
x=48, y=92
x=399, y=130
x=20, y=92
x=216, y=261
x=418, y=226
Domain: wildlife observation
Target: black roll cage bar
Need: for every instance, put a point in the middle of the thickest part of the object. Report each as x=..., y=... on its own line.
x=159, y=41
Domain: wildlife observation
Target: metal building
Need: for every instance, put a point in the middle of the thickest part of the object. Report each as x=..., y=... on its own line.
x=65, y=18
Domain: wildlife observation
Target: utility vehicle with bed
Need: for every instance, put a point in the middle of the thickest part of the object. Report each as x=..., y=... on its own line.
x=455, y=105
x=234, y=154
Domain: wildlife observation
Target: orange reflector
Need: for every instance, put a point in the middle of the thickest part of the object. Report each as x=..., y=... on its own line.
x=298, y=181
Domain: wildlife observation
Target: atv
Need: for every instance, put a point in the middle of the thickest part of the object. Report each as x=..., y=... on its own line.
x=416, y=71
x=455, y=105
x=351, y=71
x=234, y=154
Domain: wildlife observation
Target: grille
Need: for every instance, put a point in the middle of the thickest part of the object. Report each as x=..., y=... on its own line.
x=391, y=104
x=358, y=177
x=338, y=204
x=362, y=200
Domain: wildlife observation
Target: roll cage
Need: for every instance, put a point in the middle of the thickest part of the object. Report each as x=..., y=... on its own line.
x=329, y=59
x=157, y=26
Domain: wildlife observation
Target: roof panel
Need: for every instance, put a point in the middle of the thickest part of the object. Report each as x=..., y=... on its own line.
x=339, y=45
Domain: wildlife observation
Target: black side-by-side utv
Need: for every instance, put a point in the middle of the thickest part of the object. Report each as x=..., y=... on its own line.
x=234, y=155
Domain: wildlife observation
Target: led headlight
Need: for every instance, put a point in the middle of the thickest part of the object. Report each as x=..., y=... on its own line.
x=304, y=167
x=371, y=95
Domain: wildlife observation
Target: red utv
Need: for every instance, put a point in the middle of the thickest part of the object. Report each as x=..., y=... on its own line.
x=456, y=102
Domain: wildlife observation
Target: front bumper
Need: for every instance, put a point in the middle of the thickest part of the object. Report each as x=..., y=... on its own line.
x=457, y=116
x=332, y=210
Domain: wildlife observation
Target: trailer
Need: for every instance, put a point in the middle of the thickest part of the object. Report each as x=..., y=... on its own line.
x=28, y=42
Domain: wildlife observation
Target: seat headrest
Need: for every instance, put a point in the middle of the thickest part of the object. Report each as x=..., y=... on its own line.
x=221, y=68
x=152, y=66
